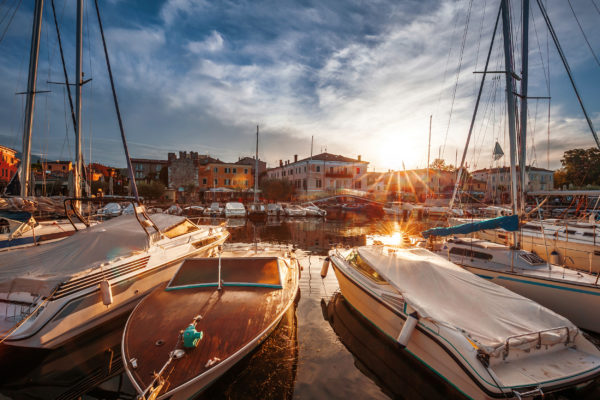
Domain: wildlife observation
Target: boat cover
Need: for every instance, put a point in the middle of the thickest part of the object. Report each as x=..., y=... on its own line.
x=38, y=270
x=509, y=223
x=488, y=314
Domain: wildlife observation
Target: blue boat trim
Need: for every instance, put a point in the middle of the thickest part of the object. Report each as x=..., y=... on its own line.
x=509, y=223
x=224, y=284
x=569, y=289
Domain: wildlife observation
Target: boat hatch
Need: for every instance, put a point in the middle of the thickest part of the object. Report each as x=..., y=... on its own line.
x=204, y=272
x=182, y=228
x=532, y=259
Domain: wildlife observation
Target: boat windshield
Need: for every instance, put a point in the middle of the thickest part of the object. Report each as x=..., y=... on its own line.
x=182, y=228
x=247, y=271
x=355, y=260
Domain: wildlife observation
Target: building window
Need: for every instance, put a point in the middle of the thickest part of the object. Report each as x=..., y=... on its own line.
x=245, y=170
x=358, y=171
x=319, y=184
x=235, y=170
x=246, y=183
x=216, y=170
x=282, y=173
x=216, y=181
x=204, y=181
x=331, y=170
x=318, y=168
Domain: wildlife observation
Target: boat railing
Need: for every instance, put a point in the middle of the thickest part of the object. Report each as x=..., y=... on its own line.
x=506, y=345
x=138, y=210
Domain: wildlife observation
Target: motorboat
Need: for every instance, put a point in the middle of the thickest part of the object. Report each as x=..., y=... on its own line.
x=193, y=211
x=110, y=210
x=295, y=211
x=128, y=209
x=210, y=315
x=234, y=209
x=313, y=211
x=257, y=212
x=20, y=229
x=275, y=209
x=174, y=210
x=214, y=210
x=57, y=291
x=485, y=340
x=567, y=292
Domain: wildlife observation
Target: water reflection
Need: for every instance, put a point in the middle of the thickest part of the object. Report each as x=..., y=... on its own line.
x=307, y=356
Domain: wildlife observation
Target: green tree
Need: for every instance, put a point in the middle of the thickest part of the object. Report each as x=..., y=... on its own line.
x=440, y=164
x=152, y=191
x=277, y=189
x=581, y=166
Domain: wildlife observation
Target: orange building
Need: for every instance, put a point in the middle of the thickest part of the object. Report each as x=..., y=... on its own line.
x=225, y=175
x=58, y=166
x=8, y=164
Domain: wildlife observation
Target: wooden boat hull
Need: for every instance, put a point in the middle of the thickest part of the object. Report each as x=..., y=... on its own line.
x=235, y=320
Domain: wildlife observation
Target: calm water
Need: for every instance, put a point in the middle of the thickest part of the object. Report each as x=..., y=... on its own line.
x=321, y=349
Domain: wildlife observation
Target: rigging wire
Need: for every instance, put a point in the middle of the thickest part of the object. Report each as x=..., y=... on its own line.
x=583, y=33
x=460, y=60
x=10, y=21
x=595, y=6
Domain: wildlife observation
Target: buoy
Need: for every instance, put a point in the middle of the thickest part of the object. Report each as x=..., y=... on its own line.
x=409, y=326
x=325, y=267
x=106, y=291
x=554, y=258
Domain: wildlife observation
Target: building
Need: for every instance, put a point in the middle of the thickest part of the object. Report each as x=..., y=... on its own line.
x=322, y=173
x=98, y=172
x=8, y=164
x=148, y=170
x=54, y=167
x=251, y=161
x=498, y=180
x=218, y=174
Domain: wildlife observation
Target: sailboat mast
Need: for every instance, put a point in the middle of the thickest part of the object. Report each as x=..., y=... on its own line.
x=510, y=102
x=428, y=155
x=78, y=81
x=524, y=79
x=30, y=105
x=256, y=170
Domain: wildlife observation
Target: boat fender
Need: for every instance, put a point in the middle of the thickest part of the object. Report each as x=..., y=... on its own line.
x=191, y=337
x=407, y=330
x=325, y=267
x=554, y=258
x=106, y=291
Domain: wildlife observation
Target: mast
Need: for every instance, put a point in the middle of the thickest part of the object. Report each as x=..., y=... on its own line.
x=428, y=155
x=524, y=78
x=78, y=83
x=510, y=103
x=256, y=170
x=30, y=105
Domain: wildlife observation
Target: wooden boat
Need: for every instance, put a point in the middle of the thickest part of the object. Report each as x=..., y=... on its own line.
x=483, y=339
x=213, y=312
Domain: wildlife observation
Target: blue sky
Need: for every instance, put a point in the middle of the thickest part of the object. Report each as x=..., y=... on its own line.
x=361, y=77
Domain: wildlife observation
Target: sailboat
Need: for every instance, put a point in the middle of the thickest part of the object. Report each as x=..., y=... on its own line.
x=570, y=293
x=256, y=211
x=57, y=291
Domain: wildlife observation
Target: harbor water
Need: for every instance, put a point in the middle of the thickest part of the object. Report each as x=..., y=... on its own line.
x=322, y=349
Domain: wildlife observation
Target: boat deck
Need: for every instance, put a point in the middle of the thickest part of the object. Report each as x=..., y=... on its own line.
x=231, y=318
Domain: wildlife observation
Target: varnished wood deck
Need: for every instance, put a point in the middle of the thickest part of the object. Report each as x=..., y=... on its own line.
x=231, y=318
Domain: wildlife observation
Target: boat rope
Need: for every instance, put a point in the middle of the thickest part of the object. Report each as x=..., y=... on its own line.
x=583, y=33
x=6, y=335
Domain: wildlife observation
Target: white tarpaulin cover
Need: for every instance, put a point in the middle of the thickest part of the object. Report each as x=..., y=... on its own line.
x=449, y=295
x=40, y=269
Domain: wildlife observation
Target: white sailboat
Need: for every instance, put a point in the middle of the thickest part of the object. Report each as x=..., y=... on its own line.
x=476, y=335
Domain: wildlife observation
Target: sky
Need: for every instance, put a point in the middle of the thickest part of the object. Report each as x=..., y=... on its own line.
x=355, y=77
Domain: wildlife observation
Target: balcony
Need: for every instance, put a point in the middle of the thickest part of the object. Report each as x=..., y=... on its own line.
x=343, y=175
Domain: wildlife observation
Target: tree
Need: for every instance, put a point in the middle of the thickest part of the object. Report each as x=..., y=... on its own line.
x=152, y=191
x=277, y=189
x=440, y=164
x=581, y=166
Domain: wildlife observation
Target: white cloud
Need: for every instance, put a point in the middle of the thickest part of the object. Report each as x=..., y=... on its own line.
x=212, y=43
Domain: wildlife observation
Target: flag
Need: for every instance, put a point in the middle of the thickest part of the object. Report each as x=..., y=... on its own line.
x=498, y=153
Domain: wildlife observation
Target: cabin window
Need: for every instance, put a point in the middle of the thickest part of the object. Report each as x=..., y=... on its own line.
x=532, y=259
x=364, y=268
x=532, y=227
x=571, y=232
x=459, y=251
x=180, y=229
x=589, y=234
